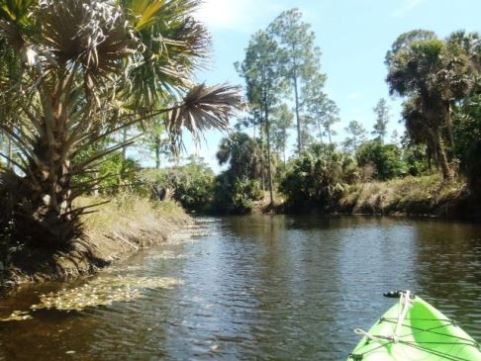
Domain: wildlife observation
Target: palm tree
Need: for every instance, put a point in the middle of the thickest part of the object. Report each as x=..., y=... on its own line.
x=243, y=154
x=434, y=75
x=81, y=62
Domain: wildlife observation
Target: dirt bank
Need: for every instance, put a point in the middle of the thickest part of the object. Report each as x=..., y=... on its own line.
x=117, y=230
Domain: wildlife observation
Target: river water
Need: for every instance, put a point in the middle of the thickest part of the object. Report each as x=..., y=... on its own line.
x=256, y=288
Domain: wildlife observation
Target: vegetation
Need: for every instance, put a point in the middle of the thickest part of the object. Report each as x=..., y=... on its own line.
x=438, y=80
x=85, y=70
x=191, y=185
x=86, y=86
x=80, y=81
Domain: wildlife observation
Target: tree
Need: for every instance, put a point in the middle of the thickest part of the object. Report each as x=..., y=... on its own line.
x=243, y=154
x=281, y=122
x=239, y=185
x=155, y=139
x=81, y=61
x=382, y=119
x=320, y=112
x=357, y=136
x=301, y=60
x=433, y=75
x=261, y=71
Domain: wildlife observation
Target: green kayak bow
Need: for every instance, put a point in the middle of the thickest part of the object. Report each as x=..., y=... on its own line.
x=413, y=330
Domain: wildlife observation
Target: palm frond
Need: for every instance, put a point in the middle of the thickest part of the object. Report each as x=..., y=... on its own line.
x=203, y=108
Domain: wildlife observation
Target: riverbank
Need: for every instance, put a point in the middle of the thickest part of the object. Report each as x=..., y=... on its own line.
x=426, y=196
x=115, y=231
x=410, y=196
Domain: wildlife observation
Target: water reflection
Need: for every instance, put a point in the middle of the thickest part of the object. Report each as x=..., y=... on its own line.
x=260, y=288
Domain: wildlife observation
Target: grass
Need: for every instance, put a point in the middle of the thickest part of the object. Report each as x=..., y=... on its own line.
x=426, y=195
x=129, y=221
x=118, y=227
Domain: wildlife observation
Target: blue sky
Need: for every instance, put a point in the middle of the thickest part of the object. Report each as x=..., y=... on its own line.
x=353, y=35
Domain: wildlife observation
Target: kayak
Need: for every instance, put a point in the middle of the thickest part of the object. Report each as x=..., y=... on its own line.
x=413, y=330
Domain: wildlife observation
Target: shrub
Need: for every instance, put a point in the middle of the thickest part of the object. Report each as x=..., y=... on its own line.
x=385, y=158
x=190, y=185
x=234, y=195
x=318, y=177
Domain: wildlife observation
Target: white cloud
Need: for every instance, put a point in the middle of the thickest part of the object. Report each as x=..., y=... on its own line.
x=406, y=7
x=237, y=15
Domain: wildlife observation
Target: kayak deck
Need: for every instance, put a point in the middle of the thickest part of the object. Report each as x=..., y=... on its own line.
x=423, y=334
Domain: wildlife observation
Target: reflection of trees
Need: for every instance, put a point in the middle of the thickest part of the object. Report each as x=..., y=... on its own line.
x=448, y=269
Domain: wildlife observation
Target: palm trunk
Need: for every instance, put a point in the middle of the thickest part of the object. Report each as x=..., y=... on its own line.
x=449, y=122
x=298, y=119
x=45, y=208
x=443, y=158
x=263, y=162
x=157, y=151
x=269, y=165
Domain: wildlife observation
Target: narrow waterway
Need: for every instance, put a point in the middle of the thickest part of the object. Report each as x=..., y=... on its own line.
x=252, y=288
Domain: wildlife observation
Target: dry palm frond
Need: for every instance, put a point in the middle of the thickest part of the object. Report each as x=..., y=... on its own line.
x=203, y=108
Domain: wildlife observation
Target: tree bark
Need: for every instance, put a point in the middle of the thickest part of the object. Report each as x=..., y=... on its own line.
x=449, y=122
x=443, y=158
x=269, y=165
x=157, y=152
x=298, y=119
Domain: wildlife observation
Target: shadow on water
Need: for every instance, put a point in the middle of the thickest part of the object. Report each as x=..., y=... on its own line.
x=260, y=287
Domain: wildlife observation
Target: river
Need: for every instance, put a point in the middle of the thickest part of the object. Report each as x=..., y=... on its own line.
x=255, y=288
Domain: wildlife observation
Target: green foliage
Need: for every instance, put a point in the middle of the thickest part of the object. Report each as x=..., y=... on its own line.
x=243, y=154
x=318, y=177
x=382, y=119
x=191, y=185
x=467, y=133
x=235, y=195
x=112, y=175
x=415, y=160
x=302, y=70
x=386, y=159
x=357, y=135
x=238, y=186
x=433, y=74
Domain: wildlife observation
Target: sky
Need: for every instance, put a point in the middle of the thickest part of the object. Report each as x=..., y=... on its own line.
x=353, y=36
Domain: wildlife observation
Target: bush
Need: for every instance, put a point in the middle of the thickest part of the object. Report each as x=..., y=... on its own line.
x=113, y=174
x=415, y=161
x=467, y=132
x=191, y=185
x=318, y=177
x=234, y=195
x=386, y=159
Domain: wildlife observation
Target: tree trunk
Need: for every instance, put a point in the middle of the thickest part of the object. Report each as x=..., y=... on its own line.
x=263, y=161
x=124, y=140
x=443, y=158
x=269, y=163
x=157, y=151
x=45, y=211
x=449, y=122
x=298, y=119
